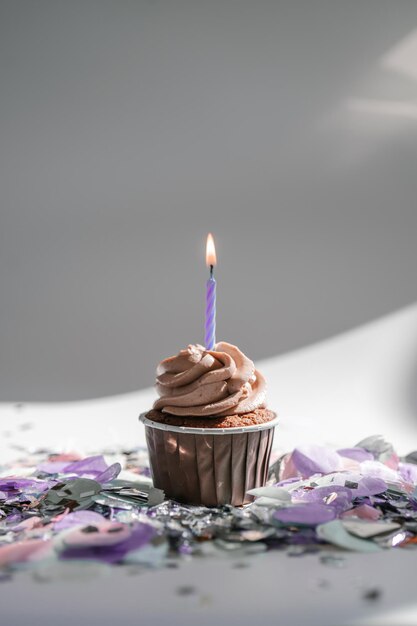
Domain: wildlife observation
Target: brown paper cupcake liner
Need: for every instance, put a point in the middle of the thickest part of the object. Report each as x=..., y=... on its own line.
x=209, y=466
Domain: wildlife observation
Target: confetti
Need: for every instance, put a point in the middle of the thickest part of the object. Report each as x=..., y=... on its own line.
x=335, y=533
x=62, y=515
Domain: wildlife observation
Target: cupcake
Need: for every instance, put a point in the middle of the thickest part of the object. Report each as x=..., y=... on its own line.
x=209, y=433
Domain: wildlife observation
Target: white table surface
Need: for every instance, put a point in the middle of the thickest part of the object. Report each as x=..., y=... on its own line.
x=337, y=392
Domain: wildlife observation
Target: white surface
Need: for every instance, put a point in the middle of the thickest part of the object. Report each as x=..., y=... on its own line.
x=336, y=392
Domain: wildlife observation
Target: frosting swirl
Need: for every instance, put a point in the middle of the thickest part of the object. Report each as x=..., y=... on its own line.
x=203, y=383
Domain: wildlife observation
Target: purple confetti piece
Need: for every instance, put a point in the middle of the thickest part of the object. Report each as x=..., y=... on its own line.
x=140, y=536
x=356, y=454
x=336, y=496
x=91, y=466
x=306, y=514
x=14, y=518
x=12, y=484
x=369, y=486
x=109, y=474
x=52, y=467
x=287, y=481
x=78, y=518
x=313, y=459
x=408, y=471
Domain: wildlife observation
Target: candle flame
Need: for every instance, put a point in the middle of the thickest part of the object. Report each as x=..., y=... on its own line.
x=210, y=251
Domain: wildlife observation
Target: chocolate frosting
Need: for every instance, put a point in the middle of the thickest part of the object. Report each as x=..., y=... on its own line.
x=203, y=383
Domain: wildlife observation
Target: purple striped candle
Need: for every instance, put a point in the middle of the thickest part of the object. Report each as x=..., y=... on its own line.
x=210, y=326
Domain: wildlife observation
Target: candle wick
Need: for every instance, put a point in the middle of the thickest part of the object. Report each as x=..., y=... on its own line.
x=211, y=271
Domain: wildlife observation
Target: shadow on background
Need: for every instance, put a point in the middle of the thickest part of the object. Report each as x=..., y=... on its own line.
x=125, y=139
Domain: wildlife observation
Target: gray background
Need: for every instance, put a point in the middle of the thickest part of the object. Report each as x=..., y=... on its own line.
x=129, y=129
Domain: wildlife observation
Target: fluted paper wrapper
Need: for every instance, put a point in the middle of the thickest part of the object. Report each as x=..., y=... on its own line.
x=209, y=466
